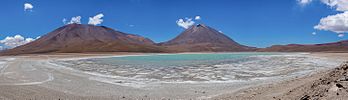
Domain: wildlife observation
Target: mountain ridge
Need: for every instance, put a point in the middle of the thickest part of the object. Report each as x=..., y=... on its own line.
x=80, y=38
x=77, y=38
x=203, y=38
x=340, y=46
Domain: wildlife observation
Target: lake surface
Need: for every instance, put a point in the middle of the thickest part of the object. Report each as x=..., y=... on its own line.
x=177, y=60
x=200, y=67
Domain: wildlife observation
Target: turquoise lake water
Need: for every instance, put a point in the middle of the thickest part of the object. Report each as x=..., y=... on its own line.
x=172, y=60
x=200, y=67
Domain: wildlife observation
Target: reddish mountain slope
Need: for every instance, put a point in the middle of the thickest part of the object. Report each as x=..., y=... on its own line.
x=77, y=38
x=341, y=46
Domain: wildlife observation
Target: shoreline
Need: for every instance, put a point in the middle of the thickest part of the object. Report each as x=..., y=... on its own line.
x=95, y=89
x=292, y=89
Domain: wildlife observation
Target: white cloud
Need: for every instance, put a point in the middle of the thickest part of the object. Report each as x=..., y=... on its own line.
x=314, y=33
x=185, y=23
x=97, y=19
x=304, y=2
x=64, y=21
x=340, y=5
x=38, y=37
x=17, y=40
x=336, y=23
x=28, y=7
x=341, y=35
x=75, y=20
x=198, y=18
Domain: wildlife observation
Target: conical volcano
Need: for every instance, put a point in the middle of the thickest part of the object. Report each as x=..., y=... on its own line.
x=202, y=38
x=78, y=38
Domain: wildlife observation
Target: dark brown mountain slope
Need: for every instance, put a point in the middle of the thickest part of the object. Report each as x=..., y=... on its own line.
x=77, y=38
x=201, y=38
x=341, y=46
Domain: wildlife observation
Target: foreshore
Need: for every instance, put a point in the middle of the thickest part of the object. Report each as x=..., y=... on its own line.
x=322, y=85
x=34, y=77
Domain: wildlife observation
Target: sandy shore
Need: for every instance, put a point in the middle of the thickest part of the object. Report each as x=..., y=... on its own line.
x=34, y=77
x=321, y=85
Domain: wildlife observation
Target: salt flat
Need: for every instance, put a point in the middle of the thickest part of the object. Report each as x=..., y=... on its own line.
x=36, y=77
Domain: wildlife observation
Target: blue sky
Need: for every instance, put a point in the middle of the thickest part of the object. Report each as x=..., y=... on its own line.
x=259, y=23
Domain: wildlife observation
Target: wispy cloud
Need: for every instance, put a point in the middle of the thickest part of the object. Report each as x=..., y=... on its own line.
x=97, y=19
x=304, y=2
x=28, y=7
x=314, y=33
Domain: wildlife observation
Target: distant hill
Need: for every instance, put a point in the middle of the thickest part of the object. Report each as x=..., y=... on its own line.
x=77, y=38
x=341, y=46
x=202, y=38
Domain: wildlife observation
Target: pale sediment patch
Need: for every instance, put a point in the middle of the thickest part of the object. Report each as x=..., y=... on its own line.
x=4, y=65
x=263, y=67
x=49, y=75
